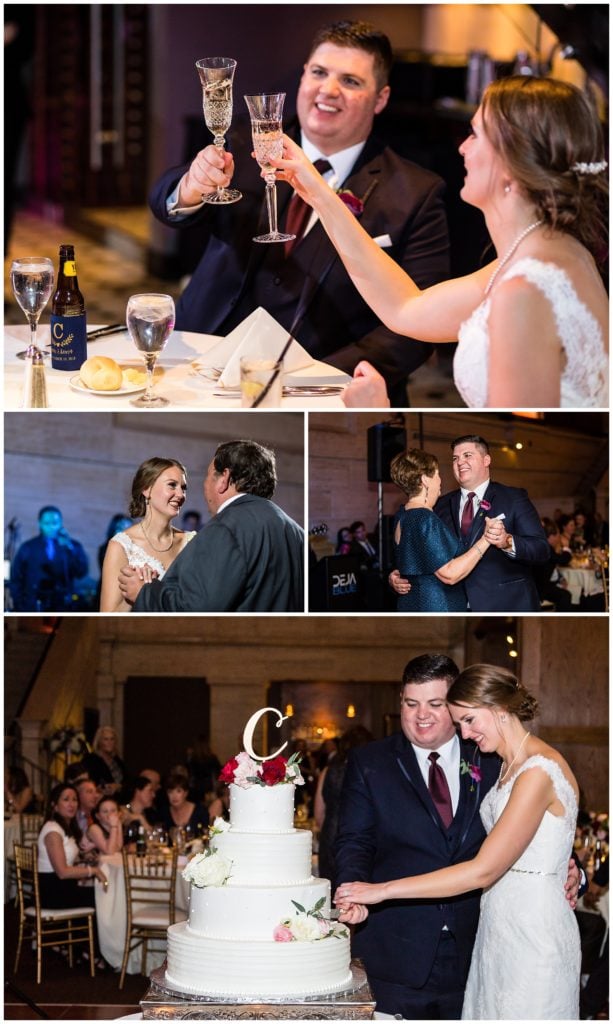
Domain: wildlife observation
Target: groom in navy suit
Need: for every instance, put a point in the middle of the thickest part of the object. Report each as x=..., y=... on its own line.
x=503, y=580
x=306, y=287
x=416, y=953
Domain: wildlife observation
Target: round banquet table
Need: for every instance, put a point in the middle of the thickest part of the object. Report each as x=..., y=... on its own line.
x=178, y=380
x=581, y=581
x=111, y=916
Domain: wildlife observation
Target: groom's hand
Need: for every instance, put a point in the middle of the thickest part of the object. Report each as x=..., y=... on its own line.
x=130, y=583
x=496, y=534
x=354, y=913
x=572, y=883
x=398, y=583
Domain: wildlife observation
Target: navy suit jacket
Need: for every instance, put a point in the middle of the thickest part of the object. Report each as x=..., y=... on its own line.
x=389, y=828
x=235, y=274
x=248, y=558
x=500, y=583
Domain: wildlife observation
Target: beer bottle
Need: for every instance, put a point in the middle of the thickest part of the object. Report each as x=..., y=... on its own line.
x=68, y=321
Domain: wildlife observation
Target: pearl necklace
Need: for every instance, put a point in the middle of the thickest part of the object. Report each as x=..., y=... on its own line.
x=160, y=550
x=502, y=775
x=510, y=251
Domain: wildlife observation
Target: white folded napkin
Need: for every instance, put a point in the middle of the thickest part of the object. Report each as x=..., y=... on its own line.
x=259, y=336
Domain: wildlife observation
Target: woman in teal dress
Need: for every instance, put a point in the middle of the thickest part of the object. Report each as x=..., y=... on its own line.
x=427, y=553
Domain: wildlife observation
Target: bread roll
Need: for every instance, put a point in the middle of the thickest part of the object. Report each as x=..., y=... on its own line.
x=101, y=374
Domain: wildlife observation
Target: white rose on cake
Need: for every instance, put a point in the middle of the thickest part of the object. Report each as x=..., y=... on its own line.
x=219, y=825
x=210, y=868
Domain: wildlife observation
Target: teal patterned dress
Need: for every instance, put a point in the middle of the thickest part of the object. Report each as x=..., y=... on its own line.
x=425, y=545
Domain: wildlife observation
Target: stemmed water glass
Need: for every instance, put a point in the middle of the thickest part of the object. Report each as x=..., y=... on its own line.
x=266, y=112
x=216, y=76
x=150, y=319
x=32, y=281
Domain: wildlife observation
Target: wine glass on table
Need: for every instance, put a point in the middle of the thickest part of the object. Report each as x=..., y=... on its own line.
x=150, y=319
x=32, y=281
x=266, y=112
x=216, y=76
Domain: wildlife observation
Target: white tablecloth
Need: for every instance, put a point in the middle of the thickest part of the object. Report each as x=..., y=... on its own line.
x=183, y=388
x=581, y=581
x=11, y=836
x=111, y=916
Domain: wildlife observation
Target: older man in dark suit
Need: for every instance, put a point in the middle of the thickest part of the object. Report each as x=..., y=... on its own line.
x=248, y=558
x=305, y=286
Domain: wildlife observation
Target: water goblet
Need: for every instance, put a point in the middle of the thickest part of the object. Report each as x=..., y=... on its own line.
x=266, y=112
x=216, y=76
x=32, y=281
x=150, y=319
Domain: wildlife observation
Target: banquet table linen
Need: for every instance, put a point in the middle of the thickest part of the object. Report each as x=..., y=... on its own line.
x=112, y=916
x=179, y=380
x=581, y=581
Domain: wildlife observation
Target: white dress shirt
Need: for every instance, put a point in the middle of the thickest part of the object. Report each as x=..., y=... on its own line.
x=449, y=761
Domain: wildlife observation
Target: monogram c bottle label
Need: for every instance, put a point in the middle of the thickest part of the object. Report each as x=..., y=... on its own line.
x=68, y=342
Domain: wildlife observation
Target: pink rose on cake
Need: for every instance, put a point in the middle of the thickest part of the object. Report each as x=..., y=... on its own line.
x=282, y=934
x=245, y=770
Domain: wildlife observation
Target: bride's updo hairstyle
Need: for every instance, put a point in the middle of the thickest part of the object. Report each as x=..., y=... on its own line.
x=489, y=686
x=407, y=469
x=543, y=128
x=145, y=477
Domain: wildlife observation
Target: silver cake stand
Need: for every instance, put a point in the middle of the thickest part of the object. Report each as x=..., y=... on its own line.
x=355, y=1002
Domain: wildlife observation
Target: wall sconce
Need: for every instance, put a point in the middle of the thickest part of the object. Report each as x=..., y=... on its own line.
x=510, y=639
x=513, y=654
x=350, y=712
x=289, y=710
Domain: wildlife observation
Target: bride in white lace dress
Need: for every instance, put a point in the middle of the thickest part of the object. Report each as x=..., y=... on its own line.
x=159, y=488
x=532, y=325
x=526, y=959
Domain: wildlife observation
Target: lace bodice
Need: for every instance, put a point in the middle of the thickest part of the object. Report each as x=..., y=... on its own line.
x=585, y=376
x=527, y=958
x=552, y=844
x=137, y=557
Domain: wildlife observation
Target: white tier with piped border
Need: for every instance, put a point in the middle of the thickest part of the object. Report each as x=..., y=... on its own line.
x=264, y=859
x=207, y=966
x=250, y=912
x=262, y=808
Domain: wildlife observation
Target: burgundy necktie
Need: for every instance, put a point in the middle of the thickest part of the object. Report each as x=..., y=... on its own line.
x=468, y=514
x=298, y=212
x=439, y=790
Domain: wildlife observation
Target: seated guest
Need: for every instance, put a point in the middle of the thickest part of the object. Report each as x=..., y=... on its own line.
x=566, y=526
x=104, y=765
x=550, y=584
x=160, y=803
x=18, y=793
x=75, y=773
x=204, y=767
x=105, y=832
x=219, y=807
x=343, y=541
x=182, y=812
x=137, y=811
x=58, y=851
x=88, y=798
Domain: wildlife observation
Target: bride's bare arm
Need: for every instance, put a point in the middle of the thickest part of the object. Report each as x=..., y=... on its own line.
x=115, y=559
x=525, y=360
x=434, y=314
x=531, y=796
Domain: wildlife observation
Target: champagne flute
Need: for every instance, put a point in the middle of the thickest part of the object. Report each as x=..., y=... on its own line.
x=266, y=111
x=32, y=281
x=150, y=319
x=216, y=76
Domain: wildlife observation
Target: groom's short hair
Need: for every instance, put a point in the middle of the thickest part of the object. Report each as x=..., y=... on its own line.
x=428, y=667
x=475, y=439
x=252, y=467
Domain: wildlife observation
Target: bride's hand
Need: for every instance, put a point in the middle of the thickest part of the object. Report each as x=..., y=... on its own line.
x=299, y=172
x=359, y=892
x=147, y=574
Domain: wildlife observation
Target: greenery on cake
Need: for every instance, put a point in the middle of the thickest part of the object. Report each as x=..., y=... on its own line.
x=308, y=926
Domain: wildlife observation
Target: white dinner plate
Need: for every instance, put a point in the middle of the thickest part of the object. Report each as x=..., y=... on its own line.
x=125, y=389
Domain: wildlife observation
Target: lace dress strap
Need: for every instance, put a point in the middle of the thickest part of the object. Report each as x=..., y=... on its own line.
x=586, y=372
x=137, y=557
x=563, y=789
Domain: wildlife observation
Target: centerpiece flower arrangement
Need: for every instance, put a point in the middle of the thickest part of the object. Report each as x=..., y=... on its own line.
x=243, y=771
x=308, y=926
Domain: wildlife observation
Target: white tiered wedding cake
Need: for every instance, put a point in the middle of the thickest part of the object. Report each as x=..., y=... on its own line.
x=258, y=920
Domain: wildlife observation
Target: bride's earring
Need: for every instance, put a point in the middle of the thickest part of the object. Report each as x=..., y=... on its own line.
x=507, y=189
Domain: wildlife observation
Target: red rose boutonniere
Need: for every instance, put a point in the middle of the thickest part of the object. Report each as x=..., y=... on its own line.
x=355, y=205
x=485, y=505
x=466, y=768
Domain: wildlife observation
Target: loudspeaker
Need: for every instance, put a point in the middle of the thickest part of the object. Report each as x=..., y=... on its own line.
x=384, y=442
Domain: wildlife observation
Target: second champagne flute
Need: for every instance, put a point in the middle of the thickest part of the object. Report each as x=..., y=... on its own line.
x=150, y=319
x=266, y=112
